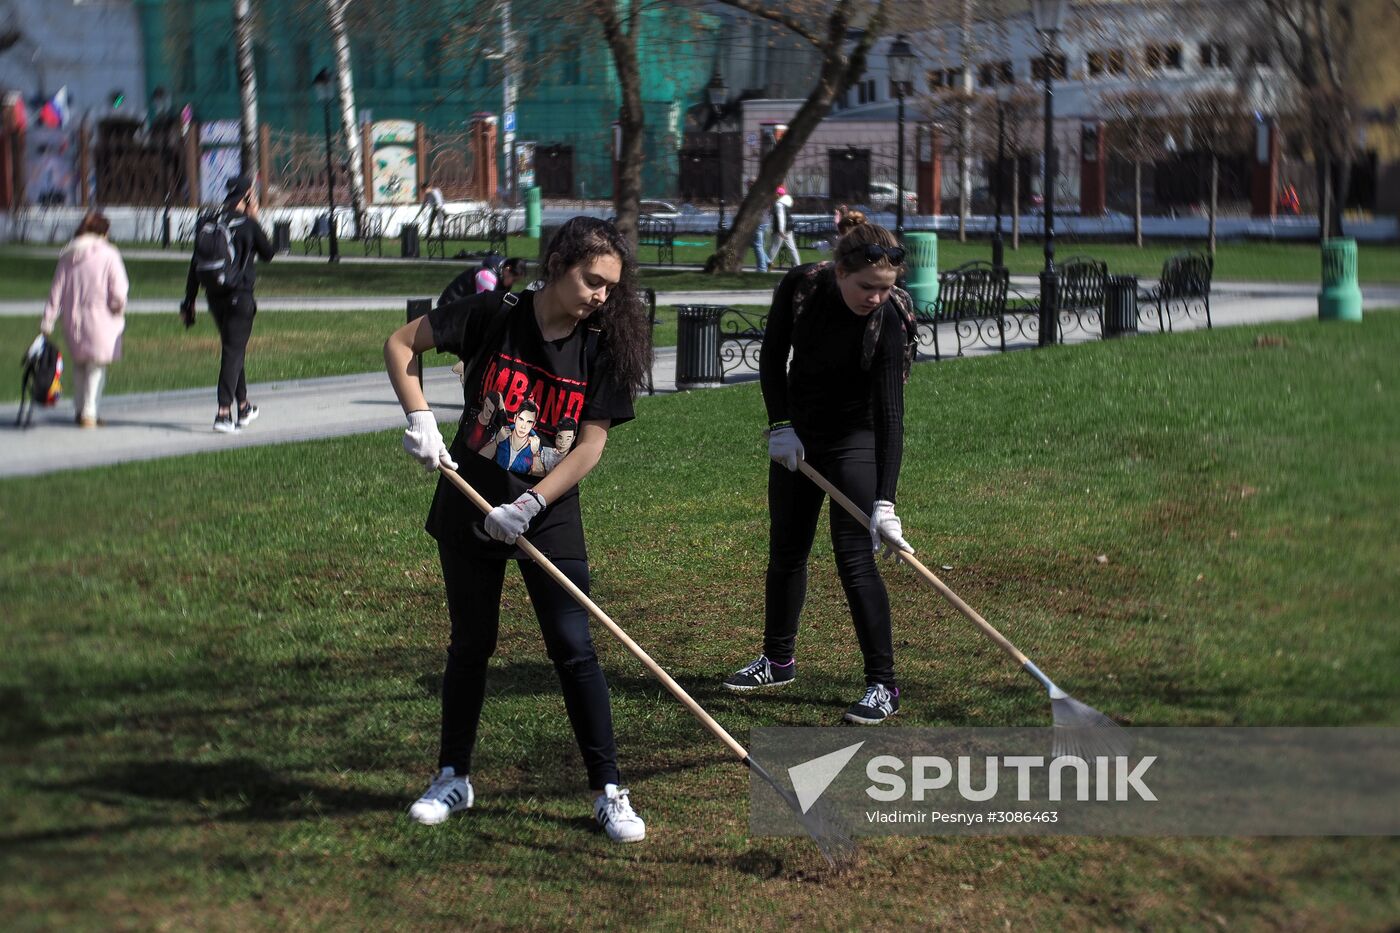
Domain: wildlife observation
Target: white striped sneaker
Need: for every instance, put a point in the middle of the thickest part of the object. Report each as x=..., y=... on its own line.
x=614, y=813
x=761, y=674
x=447, y=794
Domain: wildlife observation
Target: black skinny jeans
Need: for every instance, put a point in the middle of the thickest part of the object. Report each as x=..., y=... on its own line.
x=233, y=315
x=794, y=505
x=474, y=604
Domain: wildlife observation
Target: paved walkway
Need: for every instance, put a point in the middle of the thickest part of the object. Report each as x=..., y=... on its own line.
x=164, y=424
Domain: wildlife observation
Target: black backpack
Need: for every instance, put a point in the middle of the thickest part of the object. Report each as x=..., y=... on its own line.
x=216, y=261
x=42, y=380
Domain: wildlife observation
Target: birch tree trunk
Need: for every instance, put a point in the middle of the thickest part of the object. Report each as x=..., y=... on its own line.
x=247, y=88
x=1016, y=205
x=345, y=78
x=1137, y=203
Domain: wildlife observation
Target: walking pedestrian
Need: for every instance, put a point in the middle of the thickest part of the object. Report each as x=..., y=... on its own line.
x=760, y=233
x=840, y=406
x=782, y=229
x=88, y=297
x=568, y=357
x=225, y=247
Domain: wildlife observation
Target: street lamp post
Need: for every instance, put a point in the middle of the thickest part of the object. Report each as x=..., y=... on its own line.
x=902, y=62
x=998, y=247
x=1049, y=19
x=718, y=94
x=325, y=93
x=160, y=123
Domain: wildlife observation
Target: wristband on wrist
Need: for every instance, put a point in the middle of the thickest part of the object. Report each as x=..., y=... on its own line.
x=775, y=425
x=536, y=496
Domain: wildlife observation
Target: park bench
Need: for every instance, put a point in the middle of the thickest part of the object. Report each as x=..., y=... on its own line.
x=814, y=234
x=1183, y=292
x=1081, y=298
x=317, y=235
x=977, y=300
x=371, y=234
x=659, y=232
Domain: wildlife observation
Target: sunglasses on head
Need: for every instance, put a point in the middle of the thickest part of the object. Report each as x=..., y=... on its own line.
x=874, y=252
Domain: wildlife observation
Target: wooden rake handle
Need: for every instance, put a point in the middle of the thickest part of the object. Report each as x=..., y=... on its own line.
x=839, y=497
x=596, y=612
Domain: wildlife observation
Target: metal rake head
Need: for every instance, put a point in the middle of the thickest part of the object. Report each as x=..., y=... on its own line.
x=1083, y=732
x=832, y=838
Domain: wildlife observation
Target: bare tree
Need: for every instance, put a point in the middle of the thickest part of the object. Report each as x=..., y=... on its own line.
x=620, y=22
x=828, y=27
x=1219, y=123
x=959, y=114
x=1135, y=133
x=247, y=87
x=1313, y=41
x=1023, y=140
x=345, y=78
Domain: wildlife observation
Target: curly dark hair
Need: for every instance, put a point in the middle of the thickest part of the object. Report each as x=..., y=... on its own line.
x=623, y=316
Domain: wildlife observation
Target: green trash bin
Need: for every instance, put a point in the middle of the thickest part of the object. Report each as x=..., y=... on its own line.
x=1340, y=298
x=532, y=211
x=921, y=260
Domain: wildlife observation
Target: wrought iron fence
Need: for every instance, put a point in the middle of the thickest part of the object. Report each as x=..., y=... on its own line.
x=297, y=169
x=449, y=164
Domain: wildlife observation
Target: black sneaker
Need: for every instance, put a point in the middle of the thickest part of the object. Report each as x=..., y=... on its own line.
x=761, y=674
x=225, y=424
x=247, y=415
x=878, y=704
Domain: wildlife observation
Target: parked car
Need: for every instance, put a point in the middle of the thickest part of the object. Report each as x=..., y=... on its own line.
x=884, y=194
x=663, y=209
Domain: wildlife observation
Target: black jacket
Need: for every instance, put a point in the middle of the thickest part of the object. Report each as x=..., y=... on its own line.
x=248, y=239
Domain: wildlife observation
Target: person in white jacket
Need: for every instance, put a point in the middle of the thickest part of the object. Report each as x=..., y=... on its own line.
x=782, y=229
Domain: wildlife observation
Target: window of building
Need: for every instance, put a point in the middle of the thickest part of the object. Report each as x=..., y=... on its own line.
x=184, y=73
x=991, y=74
x=870, y=89
x=571, y=66
x=1107, y=62
x=260, y=65
x=223, y=69
x=1215, y=55
x=301, y=64
x=1059, y=67
x=1158, y=57
x=365, y=61
x=860, y=95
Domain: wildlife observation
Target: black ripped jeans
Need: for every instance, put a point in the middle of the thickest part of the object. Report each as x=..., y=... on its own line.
x=474, y=604
x=794, y=505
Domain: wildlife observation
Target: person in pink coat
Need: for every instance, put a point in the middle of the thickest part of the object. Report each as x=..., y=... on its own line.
x=89, y=296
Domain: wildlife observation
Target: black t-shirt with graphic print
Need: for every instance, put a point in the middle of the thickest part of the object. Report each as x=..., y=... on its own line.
x=516, y=420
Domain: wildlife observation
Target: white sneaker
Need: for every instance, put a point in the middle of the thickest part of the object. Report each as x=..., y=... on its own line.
x=447, y=794
x=614, y=813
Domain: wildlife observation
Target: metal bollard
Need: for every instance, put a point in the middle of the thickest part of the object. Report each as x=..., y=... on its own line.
x=921, y=259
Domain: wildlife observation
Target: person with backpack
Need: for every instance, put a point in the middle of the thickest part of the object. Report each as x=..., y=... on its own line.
x=496, y=273
x=782, y=229
x=88, y=296
x=226, y=244
x=840, y=406
x=569, y=356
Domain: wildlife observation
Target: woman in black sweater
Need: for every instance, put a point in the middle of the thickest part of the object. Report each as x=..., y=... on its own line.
x=840, y=406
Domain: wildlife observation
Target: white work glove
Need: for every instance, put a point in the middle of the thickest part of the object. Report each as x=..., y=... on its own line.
x=424, y=443
x=785, y=447
x=884, y=524
x=507, y=522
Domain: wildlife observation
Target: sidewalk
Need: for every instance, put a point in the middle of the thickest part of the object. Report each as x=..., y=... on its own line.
x=165, y=424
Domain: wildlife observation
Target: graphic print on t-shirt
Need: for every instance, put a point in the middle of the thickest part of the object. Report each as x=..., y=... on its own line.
x=526, y=417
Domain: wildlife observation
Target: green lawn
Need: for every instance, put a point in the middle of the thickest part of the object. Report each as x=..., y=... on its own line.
x=220, y=672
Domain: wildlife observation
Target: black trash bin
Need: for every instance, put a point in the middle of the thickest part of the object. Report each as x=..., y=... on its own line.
x=408, y=241
x=1120, y=315
x=697, y=347
x=282, y=236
